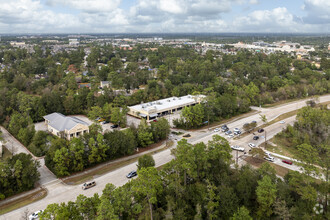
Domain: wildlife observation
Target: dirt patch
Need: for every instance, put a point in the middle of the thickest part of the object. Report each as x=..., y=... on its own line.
x=256, y=162
x=22, y=201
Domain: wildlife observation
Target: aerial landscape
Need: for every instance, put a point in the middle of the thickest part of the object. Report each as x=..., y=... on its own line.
x=164, y=109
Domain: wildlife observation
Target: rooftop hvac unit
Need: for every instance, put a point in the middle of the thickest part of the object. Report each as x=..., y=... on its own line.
x=168, y=100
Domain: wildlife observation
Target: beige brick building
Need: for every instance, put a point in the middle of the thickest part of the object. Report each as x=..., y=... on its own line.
x=65, y=126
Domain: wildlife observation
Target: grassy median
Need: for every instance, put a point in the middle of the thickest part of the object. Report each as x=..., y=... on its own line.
x=23, y=201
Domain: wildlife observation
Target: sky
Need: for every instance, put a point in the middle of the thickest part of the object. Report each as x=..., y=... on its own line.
x=164, y=16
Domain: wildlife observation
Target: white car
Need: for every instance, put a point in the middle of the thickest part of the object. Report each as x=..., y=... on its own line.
x=268, y=154
x=216, y=130
x=282, y=122
x=230, y=136
x=271, y=159
x=238, y=148
x=35, y=215
x=251, y=145
x=237, y=129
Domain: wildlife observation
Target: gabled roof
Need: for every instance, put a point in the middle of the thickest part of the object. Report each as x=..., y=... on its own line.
x=61, y=122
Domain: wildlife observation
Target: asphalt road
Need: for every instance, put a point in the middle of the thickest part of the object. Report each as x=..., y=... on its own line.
x=59, y=192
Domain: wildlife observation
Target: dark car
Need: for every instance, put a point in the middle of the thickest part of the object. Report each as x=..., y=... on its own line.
x=105, y=122
x=228, y=132
x=261, y=130
x=186, y=135
x=224, y=126
x=131, y=174
x=255, y=138
x=114, y=126
x=287, y=162
x=254, y=122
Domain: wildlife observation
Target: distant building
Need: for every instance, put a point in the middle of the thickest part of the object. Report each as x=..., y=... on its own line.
x=73, y=42
x=65, y=126
x=83, y=85
x=105, y=84
x=152, y=110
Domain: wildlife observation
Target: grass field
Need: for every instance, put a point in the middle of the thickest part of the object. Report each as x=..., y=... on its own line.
x=23, y=201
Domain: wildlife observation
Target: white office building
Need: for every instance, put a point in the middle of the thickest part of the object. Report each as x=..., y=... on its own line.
x=152, y=110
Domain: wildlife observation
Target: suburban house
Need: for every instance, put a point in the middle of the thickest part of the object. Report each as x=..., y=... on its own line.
x=105, y=84
x=65, y=126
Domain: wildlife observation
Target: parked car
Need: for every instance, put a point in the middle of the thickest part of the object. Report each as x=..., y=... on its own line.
x=35, y=215
x=282, y=122
x=114, y=126
x=253, y=121
x=230, y=136
x=224, y=126
x=228, y=132
x=255, y=138
x=88, y=185
x=271, y=159
x=131, y=174
x=224, y=129
x=186, y=135
x=216, y=130
x=238, y=148
x=251, y=145
x=98, y=118
x=268, y=154
x=101, y=119
x=237, y=132
x=261, y=130
x=287, y=162
x=105, y=122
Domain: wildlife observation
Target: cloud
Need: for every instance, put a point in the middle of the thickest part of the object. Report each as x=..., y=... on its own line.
x=29, y=16
x=318, y=11
x=22, y=16
x=275, y=20
x=88, y=6
x=254, y=2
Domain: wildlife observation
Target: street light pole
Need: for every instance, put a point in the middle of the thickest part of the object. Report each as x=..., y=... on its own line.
x=265, y=139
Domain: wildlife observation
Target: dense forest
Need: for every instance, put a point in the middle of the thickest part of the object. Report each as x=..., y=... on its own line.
x=200, y=184
x=18, y=174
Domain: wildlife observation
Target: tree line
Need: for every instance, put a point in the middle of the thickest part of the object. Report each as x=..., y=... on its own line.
x=18, y=174
x=199, y=183
x=65, y=157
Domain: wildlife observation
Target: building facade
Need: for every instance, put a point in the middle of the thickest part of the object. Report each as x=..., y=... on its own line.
x=67, y=127
x=152, y=110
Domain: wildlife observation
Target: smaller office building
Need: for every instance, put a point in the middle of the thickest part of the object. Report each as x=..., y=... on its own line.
x=67, y=127
x=152, y=110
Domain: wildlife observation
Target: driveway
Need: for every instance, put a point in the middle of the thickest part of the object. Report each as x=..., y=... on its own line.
x=40, y=126
x=15, y=147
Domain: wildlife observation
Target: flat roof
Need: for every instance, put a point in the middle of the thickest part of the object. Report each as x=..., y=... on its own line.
x=168, y=103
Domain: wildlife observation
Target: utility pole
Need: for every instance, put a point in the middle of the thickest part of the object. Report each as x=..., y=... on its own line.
x=265, y=139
